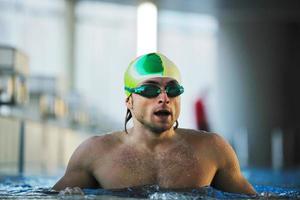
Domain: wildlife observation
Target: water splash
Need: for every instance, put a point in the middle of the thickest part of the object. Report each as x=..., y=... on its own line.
x=40, y=188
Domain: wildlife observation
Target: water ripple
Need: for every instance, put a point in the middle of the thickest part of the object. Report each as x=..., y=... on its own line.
x=30, y=188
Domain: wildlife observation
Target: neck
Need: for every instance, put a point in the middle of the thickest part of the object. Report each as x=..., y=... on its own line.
x=141, y=135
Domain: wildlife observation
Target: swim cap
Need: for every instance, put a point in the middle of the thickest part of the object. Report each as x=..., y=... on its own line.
x=149, y=66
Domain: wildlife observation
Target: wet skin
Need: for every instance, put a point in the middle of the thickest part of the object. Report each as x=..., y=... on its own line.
x=154, y=153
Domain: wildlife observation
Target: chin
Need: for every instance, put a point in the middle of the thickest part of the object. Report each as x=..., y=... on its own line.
x=161, y=129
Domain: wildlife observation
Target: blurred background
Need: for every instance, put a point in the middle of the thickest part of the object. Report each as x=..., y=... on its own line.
x=62, y=65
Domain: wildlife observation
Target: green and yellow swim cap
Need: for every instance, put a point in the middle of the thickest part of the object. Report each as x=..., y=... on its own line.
x=149, y=66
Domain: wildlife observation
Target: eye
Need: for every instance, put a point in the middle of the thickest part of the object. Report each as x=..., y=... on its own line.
x=174, y=90
x=150, y=91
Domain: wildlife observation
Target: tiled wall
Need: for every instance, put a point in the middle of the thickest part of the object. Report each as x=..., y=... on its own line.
x=47, y=148
x=9, y=145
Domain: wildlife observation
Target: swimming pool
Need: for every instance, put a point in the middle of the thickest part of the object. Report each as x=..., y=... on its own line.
x=268, y=183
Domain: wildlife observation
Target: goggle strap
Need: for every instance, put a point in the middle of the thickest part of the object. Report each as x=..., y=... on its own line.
x=131, y=90
x=137, y=89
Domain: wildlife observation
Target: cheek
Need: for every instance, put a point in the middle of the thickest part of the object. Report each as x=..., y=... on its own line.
x=141, y=108
x=177, y=106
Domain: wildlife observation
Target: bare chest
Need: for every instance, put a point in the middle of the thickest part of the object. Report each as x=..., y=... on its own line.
x=171, y=168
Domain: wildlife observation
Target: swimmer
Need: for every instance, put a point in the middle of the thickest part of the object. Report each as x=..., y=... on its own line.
x=154, y=151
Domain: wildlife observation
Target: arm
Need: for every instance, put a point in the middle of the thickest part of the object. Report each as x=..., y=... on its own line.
x=78, y=172
x=228, y=176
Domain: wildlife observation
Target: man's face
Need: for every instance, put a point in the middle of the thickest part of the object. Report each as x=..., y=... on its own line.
x=159, y=113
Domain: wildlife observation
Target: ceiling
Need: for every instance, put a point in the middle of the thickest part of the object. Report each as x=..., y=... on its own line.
x=228, y=9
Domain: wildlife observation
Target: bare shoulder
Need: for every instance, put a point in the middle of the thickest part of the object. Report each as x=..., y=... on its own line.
x=94, y=146
x=207, y=141
x=217, y=151
x=107, y=138
x=203, y=136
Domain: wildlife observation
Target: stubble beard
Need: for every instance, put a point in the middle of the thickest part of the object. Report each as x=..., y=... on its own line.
x=156, y=128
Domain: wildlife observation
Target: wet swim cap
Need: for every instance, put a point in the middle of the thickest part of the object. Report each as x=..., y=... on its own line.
x=149, y=66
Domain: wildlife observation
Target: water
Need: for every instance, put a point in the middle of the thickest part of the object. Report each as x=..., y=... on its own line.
x=268, y=184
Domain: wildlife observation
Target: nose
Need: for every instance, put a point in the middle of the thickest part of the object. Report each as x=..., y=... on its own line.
x=163, y=97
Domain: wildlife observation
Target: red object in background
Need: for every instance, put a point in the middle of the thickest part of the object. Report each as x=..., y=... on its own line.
x=201, y=119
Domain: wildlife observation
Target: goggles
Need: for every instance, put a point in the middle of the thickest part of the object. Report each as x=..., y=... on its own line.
x=151, y=91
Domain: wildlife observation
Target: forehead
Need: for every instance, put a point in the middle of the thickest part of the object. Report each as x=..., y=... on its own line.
x=160, y=80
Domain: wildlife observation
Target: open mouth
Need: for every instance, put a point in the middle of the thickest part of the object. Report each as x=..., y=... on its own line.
x=162, y=113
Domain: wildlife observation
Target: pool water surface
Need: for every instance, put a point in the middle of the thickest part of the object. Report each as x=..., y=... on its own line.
x=268, y=184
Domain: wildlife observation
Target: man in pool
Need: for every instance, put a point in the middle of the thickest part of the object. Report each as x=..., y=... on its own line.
x=154, y=151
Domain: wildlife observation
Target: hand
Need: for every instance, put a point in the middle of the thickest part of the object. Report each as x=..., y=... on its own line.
x=71, y=191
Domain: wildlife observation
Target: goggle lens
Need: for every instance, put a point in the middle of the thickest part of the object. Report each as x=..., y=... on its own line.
x=151, y=91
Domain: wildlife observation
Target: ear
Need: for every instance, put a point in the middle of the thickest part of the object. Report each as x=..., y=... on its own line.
x=129, y=103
